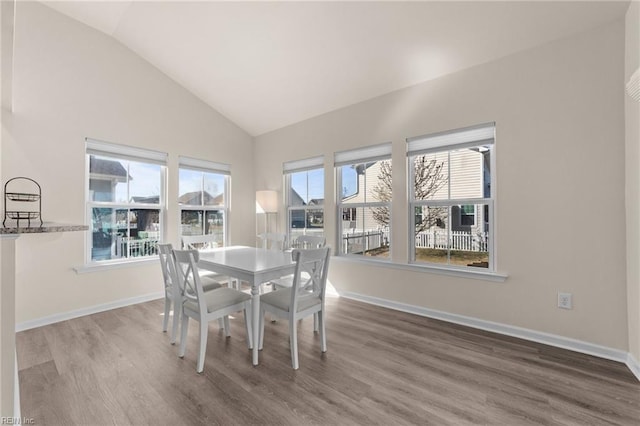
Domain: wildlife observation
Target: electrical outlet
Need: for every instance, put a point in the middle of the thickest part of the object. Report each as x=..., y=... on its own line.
x=565, y=301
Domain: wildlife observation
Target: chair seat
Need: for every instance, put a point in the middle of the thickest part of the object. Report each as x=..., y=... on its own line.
x=218, y=299
x=281, y=299
x=284, y=282
x=210, y=283
x=208, y=274
x=287, y=281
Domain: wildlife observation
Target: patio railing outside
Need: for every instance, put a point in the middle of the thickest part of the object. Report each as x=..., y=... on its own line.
x=134, y=247
x=362, y=242
x=359, y=242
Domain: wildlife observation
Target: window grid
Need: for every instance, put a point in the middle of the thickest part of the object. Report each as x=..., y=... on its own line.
x=213, y=219
x=312, y=222
x=114, y=236
x=456, y=241
x=364, y=234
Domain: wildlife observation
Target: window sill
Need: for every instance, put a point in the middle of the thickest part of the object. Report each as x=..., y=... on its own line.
x=454, y=272
x=119, y=264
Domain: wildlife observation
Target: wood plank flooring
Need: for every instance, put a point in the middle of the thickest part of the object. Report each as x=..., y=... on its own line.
x=382, y=368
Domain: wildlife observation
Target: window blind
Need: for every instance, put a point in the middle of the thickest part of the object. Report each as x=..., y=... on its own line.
x=363, y=155
x=302, y=165
x=452, y=139
x=204, y=165
x=97, y=147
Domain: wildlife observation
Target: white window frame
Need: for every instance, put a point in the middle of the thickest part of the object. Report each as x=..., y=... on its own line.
x=368, y=154
x=129, y=153
x=211, y=167
x=447, y=141
x=296, y=166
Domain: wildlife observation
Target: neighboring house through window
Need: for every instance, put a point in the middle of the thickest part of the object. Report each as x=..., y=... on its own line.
x=349, y=215
x=364, y=205
x=451, y=196
x=304, y=189
x=203, y=189
x=125, y=201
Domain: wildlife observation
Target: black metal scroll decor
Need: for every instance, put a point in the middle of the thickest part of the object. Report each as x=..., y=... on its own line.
x=13, y=201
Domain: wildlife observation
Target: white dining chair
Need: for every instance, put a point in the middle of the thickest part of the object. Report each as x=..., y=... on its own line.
x=305, y=297
x=205, y=307
x=172, y=296
x=301, y=242
x=272, y=241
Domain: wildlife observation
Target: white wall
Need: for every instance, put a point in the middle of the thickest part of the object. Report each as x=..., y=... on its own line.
x=72, y=82
x=559, y=112
x=632, y=179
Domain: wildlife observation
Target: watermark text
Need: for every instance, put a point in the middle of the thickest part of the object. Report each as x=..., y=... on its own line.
x=17, y=421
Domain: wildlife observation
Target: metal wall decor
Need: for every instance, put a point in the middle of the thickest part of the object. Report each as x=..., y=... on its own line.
x=13, y=201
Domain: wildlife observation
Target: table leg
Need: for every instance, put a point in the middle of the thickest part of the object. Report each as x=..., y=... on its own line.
x=255, y=318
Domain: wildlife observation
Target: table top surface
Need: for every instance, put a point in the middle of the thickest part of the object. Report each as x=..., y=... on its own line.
x=249, y=259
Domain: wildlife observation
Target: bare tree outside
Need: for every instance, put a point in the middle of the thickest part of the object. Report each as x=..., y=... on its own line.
x=429, y=178
x=382, y=192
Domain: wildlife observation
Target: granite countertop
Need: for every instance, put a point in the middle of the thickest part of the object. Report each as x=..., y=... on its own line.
x=35, y=227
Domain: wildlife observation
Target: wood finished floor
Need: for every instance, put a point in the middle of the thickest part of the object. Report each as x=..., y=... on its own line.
x=383, y=368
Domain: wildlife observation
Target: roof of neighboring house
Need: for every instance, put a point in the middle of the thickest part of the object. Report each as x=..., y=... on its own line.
x=348, y=197
x=195, y=198
x=190, y=198
x=155, y=199
x=295, y=199
x=101, y=166
x=316, y=201
x=360, y=169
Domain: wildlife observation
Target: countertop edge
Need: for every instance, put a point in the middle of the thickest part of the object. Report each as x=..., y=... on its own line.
x=45, y=228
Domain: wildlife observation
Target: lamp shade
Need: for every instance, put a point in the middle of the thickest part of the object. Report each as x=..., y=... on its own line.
x=268, y=200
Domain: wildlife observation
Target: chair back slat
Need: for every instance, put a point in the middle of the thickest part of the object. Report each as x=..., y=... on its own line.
x=309, y=242
x=199, y=242
x=310, y=277
x=165, y=253
x=188, y=277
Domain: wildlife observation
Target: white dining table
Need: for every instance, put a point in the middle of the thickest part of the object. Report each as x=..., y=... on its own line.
x=253, y=265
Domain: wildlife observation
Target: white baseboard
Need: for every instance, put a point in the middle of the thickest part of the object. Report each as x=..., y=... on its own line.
x=633, y=365
x=39, y=322
x=508, y=330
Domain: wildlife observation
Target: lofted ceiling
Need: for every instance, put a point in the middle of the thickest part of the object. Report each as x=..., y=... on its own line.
x=265, y=65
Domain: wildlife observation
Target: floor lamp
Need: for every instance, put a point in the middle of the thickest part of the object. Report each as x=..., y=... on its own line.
x=268, y=201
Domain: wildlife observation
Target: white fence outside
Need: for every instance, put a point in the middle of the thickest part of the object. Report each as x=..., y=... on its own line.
x=359, y=242
x=134, y=247
x=362, y=242
x=456, y=240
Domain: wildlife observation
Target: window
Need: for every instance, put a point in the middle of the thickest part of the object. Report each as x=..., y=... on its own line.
x=304, y=186
x=125, y=201
x=348, y=214
x=467, y=214
x=451, y=197
x=203, y=188
x=364, y=207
